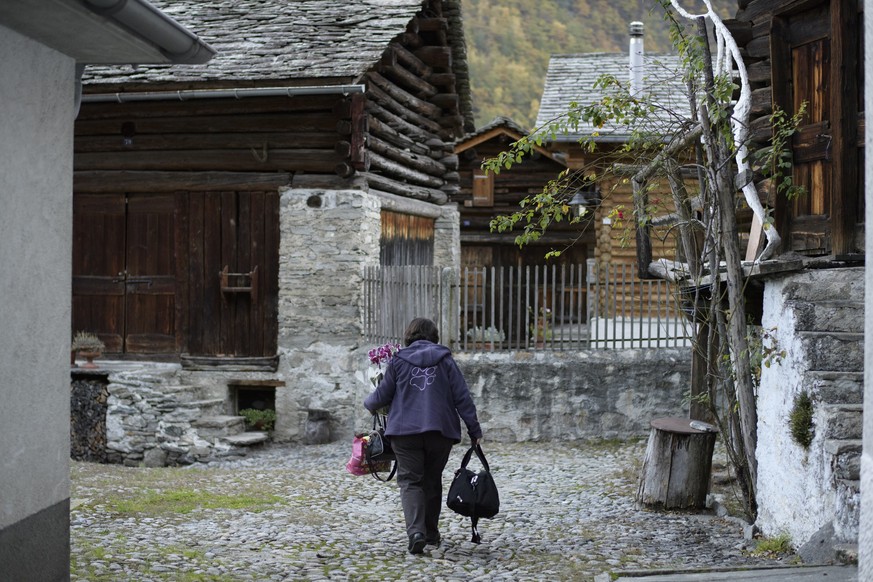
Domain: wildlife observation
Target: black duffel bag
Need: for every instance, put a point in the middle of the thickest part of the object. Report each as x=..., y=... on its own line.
x=474, y=493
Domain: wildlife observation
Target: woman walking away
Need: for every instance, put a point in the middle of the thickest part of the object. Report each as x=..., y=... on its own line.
x=427, y=393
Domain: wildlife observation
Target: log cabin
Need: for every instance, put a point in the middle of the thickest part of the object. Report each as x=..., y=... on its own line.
x=210, y=201
x=482, y=197
x=573, y=78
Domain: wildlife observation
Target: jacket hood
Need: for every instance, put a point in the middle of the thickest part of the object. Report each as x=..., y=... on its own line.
x=423, y=353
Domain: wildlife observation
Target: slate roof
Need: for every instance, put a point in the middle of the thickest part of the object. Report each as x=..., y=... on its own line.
x=572, y=77
x=277, y=39
x=499, y=121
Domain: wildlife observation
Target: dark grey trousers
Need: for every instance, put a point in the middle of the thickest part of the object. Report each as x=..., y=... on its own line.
x=421, y=459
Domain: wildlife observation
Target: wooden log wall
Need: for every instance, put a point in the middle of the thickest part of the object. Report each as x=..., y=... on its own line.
x=413, y=114
x=160, y=141
x=510, y=188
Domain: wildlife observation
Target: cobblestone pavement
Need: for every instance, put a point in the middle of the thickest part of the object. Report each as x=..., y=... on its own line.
x=293, y=513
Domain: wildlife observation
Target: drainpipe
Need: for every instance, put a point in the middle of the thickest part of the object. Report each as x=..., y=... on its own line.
x=176, y=42
x=637, y=68
x=221, y=93
x=77, y=98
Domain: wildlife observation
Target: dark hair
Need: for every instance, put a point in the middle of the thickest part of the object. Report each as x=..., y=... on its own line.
x=421, y=328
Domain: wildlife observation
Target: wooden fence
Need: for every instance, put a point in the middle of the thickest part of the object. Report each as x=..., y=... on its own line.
x=525, y=307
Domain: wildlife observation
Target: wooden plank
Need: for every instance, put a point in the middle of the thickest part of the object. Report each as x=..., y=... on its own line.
x=196, y=272
x=206, y=141
x=157, y=181
x=311, y=160
x=358, y=139
x=254, y=319
x=211, y=297
x=196, y=107
x=298, y=122
x=182, y=267
x=255, y=364
x=244, y=322
x=844, y=32
x=229, y=232
x=270, y=277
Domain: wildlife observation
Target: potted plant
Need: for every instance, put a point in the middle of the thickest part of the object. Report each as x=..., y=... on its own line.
x=89, y=346
x=486, y=336
x=259, y=419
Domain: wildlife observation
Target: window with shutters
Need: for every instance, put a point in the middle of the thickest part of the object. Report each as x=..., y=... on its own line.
x=483, y=188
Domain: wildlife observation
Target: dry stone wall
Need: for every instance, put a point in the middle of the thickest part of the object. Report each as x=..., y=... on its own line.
x=565, y=396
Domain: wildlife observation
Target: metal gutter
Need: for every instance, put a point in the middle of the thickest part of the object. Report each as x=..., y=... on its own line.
x=221, y=93
x=139, y=16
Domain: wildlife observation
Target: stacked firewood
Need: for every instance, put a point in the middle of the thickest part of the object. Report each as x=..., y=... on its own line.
x=88, y=405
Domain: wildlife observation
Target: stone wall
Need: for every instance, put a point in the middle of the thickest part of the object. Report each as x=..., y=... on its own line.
x=153, y=409
x=815, y=318
x=564, y=396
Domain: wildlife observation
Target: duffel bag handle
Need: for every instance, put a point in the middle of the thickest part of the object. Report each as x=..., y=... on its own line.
x=479, y=453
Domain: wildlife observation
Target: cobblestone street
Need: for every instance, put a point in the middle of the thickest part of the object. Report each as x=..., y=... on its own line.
x=294, y=513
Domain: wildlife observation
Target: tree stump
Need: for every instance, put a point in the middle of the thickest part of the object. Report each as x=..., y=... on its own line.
x=678, y=463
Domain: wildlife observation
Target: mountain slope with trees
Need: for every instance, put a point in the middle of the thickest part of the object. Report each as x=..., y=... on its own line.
x=509, y=43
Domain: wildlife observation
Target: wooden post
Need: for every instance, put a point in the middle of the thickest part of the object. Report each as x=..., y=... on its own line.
x=677, y=467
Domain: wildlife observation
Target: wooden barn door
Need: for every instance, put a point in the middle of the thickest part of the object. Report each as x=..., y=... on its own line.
x=124, y=271
x=230, y=260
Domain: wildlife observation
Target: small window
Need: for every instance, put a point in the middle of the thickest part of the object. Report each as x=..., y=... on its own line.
x=483, y=188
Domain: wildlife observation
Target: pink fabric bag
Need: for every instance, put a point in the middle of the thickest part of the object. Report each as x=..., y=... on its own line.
x=357, y=464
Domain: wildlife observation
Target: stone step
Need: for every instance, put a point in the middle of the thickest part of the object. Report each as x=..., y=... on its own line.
x=182, y=393
x=833, y=351
x=823, y=285
x=246, y=439
x=836, y=387
x=847, y=511
x=830, y=315
x=210, y=407
x=840, y=421
x=219, y=426
x=845, y=458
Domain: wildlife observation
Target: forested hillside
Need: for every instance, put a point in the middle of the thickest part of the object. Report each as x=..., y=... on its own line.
x=509, y=43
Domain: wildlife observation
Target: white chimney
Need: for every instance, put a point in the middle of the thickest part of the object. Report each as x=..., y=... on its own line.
x=636, y=58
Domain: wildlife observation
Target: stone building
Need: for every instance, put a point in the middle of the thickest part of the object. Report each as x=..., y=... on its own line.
x=224, y=213
x=44, y=47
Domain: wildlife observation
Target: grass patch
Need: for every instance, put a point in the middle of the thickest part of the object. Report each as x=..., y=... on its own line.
x=800, y=420
x=183, y=501
x=775, y=546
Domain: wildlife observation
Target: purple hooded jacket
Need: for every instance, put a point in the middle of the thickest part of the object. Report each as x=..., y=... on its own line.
x=426, y=392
